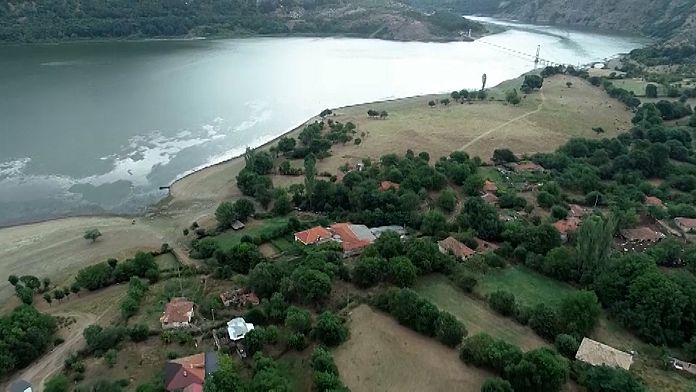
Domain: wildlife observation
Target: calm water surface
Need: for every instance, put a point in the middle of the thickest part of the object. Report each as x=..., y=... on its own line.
x=98, y=127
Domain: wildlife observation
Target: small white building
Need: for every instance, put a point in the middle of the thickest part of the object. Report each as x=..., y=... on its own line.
x=237, y=328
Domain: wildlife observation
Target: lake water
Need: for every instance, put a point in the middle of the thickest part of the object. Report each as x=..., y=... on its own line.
x=98, y=127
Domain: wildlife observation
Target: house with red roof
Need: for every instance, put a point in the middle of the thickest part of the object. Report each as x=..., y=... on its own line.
x=654, y=201
x=455, y=247
x=490, y=198
x=528, y=167
x=177, y=313
x=313, y=236
x=484, y=246
x=489, y=187
x=387, y=185
x=687, y=225
x=189, y=373
x=353, y=238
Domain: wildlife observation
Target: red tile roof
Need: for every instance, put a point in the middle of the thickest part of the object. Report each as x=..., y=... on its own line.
x=182, y=372
x=567, y=225
x=387, y=185
x=489, y=186
x=178, y=310
x=654, y=201
x=313, y=235
x=451, y=244
x=349, y=241
x=688, y=223
x=642, y=234
x=490, y=198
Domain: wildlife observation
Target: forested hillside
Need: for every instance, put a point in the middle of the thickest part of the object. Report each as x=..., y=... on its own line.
x=674, y=20
x=54, y=20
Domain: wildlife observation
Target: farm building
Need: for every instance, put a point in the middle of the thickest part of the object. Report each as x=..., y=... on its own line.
x=315, y=235
x=687, y=225
x=177, y=313
x=597, y=354
x=452, y=245
x=577, y=211
x=188, y=373
x=240, y=298
x=639, y=238
x=528, y=167
x=378, y=231
x=237, y=328
x=237, y=225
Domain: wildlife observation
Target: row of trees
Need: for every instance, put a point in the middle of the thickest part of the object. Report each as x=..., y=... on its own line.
x=106, y=273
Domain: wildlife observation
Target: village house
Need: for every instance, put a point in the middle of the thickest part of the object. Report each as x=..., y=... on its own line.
x=387, y=185
x=528, y=167
x=654, y=201
x=455, y=247
x=240, y=298
x=177, y=313
x=639, y=238
x=567, y=226
x=490, y=198
x=598, y=354
x=687, y=225
x=313, y=236
x=489, y=187
x=188, y=374
x=353, y=238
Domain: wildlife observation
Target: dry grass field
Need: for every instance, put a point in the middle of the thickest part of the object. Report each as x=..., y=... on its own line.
x=542, y=122
x=382, y=355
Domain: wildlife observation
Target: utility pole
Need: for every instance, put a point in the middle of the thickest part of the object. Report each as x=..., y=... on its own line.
x=536, y=59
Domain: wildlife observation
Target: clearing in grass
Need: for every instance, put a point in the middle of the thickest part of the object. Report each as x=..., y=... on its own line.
x=382, y=355
x=475, y=314
x=253, y=228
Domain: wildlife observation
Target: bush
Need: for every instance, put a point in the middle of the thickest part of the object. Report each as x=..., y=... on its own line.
x=567, y=345
x=448, y=330
x=57, y=383
x=322, y=361
x=297, y=341
x=463, y=279
x=368, y=271
x=330, y=329
x=543, y=321
x=502, y=302
x=496, y=385
x=402, y=272
x=298, y=320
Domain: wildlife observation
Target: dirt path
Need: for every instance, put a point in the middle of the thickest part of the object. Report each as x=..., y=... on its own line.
x=40, y=371
x=505, y=124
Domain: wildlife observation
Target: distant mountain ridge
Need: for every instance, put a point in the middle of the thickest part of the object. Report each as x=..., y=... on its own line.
x=671, y=20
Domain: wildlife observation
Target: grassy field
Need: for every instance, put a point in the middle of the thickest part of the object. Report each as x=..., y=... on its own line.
x=167, y=261
x=382, y=355
x=253, y=228
x=529, y=287
x=562, y=113
x=532, y=288
x=637, y=86
x=475, y=314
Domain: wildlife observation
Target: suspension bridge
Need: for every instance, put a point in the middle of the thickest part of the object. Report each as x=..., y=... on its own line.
x=525, y=55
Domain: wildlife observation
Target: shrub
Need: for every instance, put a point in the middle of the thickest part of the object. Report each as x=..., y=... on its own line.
x=448, y=330
x=330, y=329
x=502, y=302
x=496, y=385
x=298, y=320
x=297, y=341
x=567, y=345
